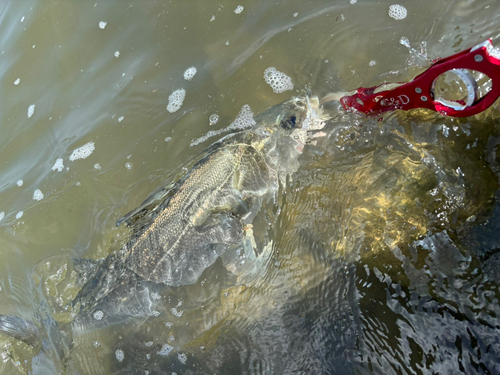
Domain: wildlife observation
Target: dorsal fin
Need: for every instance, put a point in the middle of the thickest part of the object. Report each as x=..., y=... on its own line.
x=137, y=216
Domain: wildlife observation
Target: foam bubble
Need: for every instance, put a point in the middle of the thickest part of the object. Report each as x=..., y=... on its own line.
x=295, y=15
x=168, y=139
x=38, y=195
x=17, y=81
x=98, y=315
x=165, y=350
x=82, y=152
x=213, y=119
x=177, y=313
x=128, y=166
x=243, y=121
x=97, y=344
x=20, y=183
x=19, y=215
x=372, y=63
x=239, y=9
x=398, y=12
x=22, y=19
x=119, y=355
x=175, y=100
x=31, y=110
x=102, y=24
x=182, y=358
x=117, y=53
x=58, y=165
x=2, y=215
x=120, y=119
x=148, y=343
x=97, y=166
x=279, y=81
x=190, y=73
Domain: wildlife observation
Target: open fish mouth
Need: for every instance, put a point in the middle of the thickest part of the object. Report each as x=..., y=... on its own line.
x=312, y=124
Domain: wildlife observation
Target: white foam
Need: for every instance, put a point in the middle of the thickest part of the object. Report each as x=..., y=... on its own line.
x=278, y=81
x=243, y=120
x=190, y=73
x=239, y=9
x=128, y=166
x=117, y=53
x=20, y=183
x=213, y=119
x=148, y=343
x=2, y=215
x=295, y=15
x=175, y=100
x=19, y=214
x=97, y=344
x=98, y=315
x=398, y=12
x=372, y=63
x=97, y=166
x=182, y=358
x=38, y=195
x=353, y=1
x=102, y=24
x=120, y=119
x=58, y=165
x=17, y=81
x=119, y=355
x=31, y=110
x=168, y=139
x=22, y=19
x=165, y=350
x=82, y=152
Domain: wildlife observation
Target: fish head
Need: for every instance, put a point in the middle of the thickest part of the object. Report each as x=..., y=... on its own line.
x=300, y=118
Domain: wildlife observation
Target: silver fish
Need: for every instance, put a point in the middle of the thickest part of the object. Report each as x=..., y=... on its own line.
x=178, y=232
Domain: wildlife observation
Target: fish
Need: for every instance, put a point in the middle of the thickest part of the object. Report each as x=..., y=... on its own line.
x=181, y=230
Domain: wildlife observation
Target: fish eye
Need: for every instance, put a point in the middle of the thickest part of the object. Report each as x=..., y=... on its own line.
x=289, y=122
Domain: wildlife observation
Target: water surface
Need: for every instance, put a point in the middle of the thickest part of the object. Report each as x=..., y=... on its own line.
x=382, y=251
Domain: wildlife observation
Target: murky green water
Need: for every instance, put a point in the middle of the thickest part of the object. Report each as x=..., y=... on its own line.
x=382, y=251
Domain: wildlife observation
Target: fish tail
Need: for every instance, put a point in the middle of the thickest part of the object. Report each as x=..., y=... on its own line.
x=20, y=329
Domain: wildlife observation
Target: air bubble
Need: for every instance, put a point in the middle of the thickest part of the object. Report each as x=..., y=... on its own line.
x=182, y=358
x=98, y=315
x=38, y=195
x=82, y=152
x=398, y=12
x=190, y=73
x=119, y=355
x=278, y=81
x=175, y=100
x=165, y=350
x=31, y=110
x=117, y=53
x=58, y=165
x=213, y=119
x=128, y=166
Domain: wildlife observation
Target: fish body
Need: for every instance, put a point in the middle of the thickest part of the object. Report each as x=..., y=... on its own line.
x=179, y=232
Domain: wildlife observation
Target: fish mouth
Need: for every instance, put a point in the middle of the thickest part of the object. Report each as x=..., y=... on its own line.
x=314, y=121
